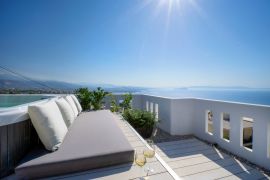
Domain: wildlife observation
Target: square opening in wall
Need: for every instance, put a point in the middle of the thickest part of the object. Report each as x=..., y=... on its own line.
x=247, y=133
x=209, y=122
x=226, y=126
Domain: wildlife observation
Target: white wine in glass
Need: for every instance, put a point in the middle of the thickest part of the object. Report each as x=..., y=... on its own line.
x=150, y=152
x=140, y=159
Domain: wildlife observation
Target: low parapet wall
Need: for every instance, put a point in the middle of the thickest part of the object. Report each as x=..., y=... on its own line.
x=248, y=125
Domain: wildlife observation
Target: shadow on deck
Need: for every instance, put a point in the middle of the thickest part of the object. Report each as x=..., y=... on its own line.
x=193, y=159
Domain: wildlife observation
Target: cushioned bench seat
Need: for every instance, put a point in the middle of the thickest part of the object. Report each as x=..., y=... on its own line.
x=93, y=141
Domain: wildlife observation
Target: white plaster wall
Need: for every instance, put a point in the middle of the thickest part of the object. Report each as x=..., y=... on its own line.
x=182, y=116
x=188, y=116
x=260, y=115
x=139, y=102
x=176, y=115
x=164, y=112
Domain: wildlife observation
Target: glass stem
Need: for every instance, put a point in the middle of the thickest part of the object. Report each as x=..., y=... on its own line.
x=147, y=172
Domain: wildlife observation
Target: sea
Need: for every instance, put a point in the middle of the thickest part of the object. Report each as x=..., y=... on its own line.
x=250, y=96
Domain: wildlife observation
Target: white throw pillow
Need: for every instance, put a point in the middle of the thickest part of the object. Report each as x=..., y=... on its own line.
x=66, y=111
x=49, y=124
x=72, y=104
x=78, y=105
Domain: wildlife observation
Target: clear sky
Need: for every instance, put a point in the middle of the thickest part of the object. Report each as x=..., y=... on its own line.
x=158, y=43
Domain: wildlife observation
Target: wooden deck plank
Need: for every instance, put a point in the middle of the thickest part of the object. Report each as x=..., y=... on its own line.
x=137, y=144
x=110, y=168
x=130, y=135
x=126, y=172
x=250, y=175
x=219, y=173
x=192, y=159
x=161, y=176
x=185, y=141
x=184, y=152
x=133, y=138
x=203, y=167
x=181, y=146
x=188, y=155
x=196, y=160
x=127, y=131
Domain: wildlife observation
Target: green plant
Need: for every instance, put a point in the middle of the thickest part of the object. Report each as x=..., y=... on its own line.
x=114, y=106
x=83, y=95
x=142, y=121
x=97, y=97
x=126, y=104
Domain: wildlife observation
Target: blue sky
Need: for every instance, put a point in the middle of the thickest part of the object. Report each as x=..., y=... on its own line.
x=157, y=43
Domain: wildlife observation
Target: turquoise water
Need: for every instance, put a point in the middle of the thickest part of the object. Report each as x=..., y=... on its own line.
x=15, y=100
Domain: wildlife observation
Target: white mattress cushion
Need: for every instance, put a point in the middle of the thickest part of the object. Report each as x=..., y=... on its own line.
x=78, y=105
x=66, y=111
x=49, y=124
x=72, y=104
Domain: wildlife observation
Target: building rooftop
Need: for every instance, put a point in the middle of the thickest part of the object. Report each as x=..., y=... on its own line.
x=191, y=144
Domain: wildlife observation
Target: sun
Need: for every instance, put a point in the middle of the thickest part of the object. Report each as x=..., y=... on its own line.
x=171, y=7
x=169, y=4
x=168, y=12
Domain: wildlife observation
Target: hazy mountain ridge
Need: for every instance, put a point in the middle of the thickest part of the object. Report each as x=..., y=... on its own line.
x=12, y=82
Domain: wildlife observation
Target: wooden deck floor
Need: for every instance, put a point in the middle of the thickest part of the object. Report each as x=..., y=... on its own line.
x=194, y=159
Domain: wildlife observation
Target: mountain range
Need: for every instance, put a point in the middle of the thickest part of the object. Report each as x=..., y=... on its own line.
x=8, y=81
x=14, y=82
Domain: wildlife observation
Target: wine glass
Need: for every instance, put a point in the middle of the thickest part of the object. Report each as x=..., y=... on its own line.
x=149, y=153
x=140, y=160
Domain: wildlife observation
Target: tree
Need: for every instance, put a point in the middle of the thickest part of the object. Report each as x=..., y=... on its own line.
x=114, y=106
x=84, y=96
x=126, y=104
x=97, y=97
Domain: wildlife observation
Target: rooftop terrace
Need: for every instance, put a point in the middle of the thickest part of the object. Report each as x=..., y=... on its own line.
x=188, y=158
x=184, y=149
